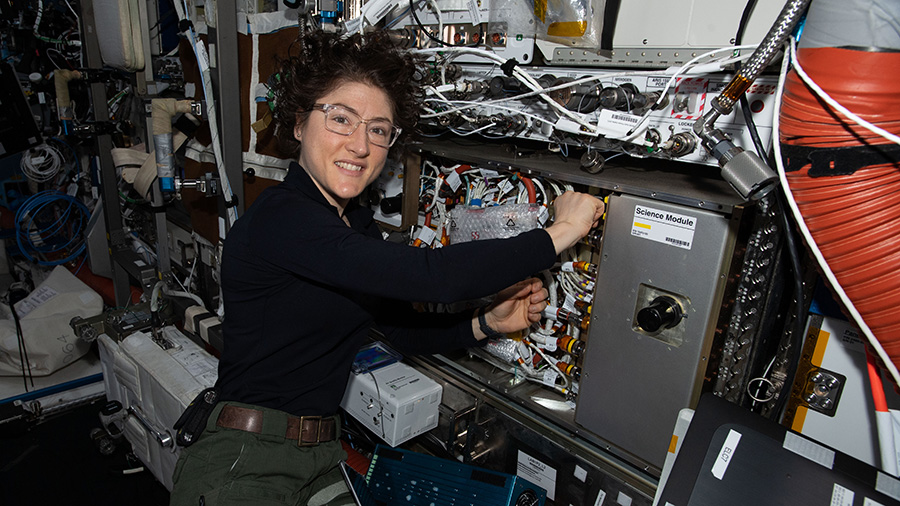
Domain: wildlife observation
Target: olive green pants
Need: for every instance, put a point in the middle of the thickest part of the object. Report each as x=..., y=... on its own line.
x=230, y=467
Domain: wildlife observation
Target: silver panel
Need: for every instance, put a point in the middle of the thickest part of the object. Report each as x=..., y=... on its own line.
x=634, y=382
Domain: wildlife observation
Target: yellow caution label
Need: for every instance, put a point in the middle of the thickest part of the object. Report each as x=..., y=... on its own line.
x=673, y=444
x=799, y=418
x=821, y=344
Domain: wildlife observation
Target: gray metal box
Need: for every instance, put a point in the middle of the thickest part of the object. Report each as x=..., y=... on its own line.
x=634, y=380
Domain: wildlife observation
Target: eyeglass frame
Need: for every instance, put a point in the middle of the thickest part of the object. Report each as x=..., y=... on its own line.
x=326, y=108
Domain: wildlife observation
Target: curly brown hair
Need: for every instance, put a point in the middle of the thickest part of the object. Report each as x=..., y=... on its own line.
x=326, y=60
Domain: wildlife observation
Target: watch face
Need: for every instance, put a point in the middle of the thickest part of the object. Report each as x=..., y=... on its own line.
x=528, y=498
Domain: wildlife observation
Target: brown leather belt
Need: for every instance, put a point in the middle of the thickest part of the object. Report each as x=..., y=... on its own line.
x=307, y=430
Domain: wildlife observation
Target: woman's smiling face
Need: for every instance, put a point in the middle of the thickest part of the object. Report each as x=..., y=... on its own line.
x=342, y=166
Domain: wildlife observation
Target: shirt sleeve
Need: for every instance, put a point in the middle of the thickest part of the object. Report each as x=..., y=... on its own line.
x=416, y=333
x=307, y=239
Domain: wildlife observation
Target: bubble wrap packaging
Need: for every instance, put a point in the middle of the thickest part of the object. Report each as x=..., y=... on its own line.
x=498, y=222
x=504, y=349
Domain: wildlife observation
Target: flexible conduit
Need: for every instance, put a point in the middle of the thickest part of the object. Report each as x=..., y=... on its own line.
x=762, y=56
x=854, y=219
x=163, y=110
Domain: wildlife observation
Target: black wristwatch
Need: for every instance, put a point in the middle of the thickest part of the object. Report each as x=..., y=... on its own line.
x=485, y=328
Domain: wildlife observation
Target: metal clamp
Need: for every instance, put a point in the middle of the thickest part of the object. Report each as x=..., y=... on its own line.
x=164, y=439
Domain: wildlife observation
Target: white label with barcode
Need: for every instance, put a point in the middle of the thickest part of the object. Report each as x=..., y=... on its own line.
x=352, y=25
x=472, y=6
x=619, y=124
x=376, y=10
x=664, y=226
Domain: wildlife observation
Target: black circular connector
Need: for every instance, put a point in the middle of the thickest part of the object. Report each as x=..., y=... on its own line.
x=662, y=313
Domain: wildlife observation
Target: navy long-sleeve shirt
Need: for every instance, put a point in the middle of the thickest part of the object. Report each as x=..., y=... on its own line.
x=301, y=290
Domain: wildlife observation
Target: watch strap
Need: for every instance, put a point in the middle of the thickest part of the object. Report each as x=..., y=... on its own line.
x=483, y=325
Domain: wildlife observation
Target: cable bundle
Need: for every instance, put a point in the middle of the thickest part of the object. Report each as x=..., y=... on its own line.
x=49, y=225
x=41, y=163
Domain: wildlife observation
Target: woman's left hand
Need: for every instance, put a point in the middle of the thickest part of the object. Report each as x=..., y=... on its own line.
x=516, y=307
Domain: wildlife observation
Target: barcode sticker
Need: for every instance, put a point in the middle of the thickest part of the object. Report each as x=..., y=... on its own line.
x=619, y=124
x=472, y=6
x=376, y=10
x=663, y=226
x=352, y=25
x=543, y=215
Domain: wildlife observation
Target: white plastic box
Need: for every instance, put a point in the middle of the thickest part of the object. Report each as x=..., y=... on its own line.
x=396, y=402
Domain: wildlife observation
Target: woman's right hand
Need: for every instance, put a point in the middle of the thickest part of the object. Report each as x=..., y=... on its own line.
x=575, y=214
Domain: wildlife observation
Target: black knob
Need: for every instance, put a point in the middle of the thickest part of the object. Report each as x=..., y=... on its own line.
x=662, y=313
x=391, y=205
x=504, y=87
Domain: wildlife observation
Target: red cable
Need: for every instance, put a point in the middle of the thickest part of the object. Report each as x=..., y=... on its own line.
x=529, y=186
x=875, y=380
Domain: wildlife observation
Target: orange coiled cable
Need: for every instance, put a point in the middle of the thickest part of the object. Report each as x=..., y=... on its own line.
x=855, y=219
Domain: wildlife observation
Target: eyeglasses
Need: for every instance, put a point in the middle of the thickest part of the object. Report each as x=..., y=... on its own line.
x=343, y=121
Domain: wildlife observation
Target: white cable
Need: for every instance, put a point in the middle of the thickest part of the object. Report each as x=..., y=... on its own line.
x=437, y=13
x=834, y=103
x=41, y=163
x=810, y=241
x=523, y=77
x=763, y=379
x=179, y=293
x=551, y=362
x=37, y=19
x=463, y=133
x=681, y=70
x=190, y=277
x=437, y=189
x=471, y=105
x=522, y=197
x=73, y=13
x=206, y=81
x=576, y=82
x=525, y=355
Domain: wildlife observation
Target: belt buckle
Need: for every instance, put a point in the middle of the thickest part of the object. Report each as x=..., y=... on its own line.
x=318, y=421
